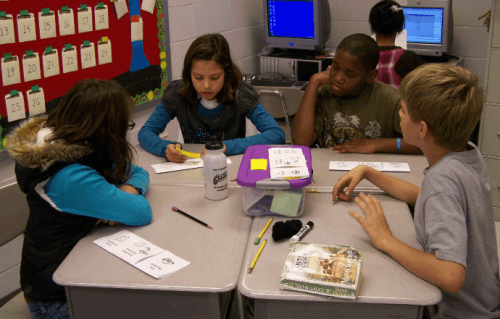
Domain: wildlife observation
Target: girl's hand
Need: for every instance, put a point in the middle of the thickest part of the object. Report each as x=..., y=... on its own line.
x=174, y=155
x=374, y=224
x=202, y=154
x=348, y=182
x=129, y=189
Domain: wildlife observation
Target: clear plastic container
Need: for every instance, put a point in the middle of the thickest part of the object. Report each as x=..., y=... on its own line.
x=258, y=201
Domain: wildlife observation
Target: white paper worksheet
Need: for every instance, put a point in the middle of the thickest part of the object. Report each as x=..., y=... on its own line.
x=141, y=254
x=287, y=163
x=379, y=166
x=173, y=167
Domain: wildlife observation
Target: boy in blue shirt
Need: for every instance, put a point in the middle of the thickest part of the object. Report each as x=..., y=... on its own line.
x=346, y=109
x=441, y=105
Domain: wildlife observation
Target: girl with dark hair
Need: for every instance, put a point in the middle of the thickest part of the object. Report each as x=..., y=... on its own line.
x=76, y=168
x=211, y=99
x=386, y=21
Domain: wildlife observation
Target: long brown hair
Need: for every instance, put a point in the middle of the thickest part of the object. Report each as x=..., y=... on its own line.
x=211, y=47
x=96, y=113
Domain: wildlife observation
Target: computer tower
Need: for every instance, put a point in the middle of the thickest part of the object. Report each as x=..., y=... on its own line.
x=292, y=68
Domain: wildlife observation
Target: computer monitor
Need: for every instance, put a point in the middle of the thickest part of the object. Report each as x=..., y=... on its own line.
x=297, y=24
x=429, y=26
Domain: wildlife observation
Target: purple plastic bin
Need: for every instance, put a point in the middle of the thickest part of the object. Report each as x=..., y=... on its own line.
x=261, y=178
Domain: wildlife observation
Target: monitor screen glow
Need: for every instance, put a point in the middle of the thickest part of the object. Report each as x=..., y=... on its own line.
x=292, y=19
x=424, y=25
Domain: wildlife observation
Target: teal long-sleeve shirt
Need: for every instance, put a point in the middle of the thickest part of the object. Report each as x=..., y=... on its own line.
x=270, y=132
x=80, y=190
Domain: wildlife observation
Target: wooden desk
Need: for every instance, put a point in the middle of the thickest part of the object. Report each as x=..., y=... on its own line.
x=387, y=289
x=100, y=285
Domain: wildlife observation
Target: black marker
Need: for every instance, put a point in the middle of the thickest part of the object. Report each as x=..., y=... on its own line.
x=302, y=232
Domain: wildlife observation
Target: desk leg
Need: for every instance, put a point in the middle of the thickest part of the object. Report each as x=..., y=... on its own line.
x=70, y=304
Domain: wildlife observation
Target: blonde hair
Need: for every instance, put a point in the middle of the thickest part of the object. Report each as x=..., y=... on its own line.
x=446, y=97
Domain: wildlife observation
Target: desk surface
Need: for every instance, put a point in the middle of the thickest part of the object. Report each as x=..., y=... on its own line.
x=184, y=177
x=215, y=254
x=384, y=281
x=321, y=158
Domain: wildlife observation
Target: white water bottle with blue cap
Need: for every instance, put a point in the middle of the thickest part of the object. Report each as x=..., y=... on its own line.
x=215, y=170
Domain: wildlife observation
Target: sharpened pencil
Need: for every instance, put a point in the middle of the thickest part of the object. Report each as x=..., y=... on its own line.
x=257, y=256
x=175, y=209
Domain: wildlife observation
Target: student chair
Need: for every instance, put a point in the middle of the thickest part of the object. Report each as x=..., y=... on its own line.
x=13, y=221
x=281, y=103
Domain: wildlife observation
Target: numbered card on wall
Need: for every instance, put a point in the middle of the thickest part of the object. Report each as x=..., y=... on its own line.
x=84, y=19
x=148, y=5
x=50, y=60
x=6, y=28
x=36, y=100
x=69, y=59
x=26, y=29
x=31, y=66
x=11, y=71
x=47, y=23
x=66, y=21
x=87, y=54
x=104, y=51
x=120, y=8
x=14, y=102
x=101, y=16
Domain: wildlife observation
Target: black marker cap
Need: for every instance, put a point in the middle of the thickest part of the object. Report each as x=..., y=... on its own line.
x=310, y=224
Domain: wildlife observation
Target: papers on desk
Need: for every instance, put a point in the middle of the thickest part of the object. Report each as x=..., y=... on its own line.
x=142, y=254
x=287, y=163
x=379, y=166
x=172, y=167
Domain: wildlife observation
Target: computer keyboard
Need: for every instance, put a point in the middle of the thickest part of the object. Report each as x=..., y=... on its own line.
x=279, y=83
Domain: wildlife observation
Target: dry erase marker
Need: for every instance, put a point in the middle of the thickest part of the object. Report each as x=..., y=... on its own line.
x=302, y=232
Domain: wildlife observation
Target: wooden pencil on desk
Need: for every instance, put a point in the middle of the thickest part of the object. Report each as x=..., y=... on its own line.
x=257, y=256
x=175, y=209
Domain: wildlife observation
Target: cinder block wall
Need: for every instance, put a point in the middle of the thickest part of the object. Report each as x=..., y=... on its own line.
x=241, y=22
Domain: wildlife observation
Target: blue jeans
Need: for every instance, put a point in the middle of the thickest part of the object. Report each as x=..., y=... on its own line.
x=49, y=310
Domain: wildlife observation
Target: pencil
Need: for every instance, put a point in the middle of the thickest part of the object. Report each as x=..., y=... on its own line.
x=257, y=240
x=317, y=190
x=257, y=256
x=175, y=209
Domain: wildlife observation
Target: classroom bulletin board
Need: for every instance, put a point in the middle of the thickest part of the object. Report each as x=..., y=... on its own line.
x=48, y=46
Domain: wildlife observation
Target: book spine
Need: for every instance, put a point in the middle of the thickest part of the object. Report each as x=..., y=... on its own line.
x=319, y=289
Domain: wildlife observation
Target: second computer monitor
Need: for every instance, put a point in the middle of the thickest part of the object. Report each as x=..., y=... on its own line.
x=429, y=26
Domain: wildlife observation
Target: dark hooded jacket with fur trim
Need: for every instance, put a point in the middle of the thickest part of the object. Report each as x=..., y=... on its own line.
x=50, y=233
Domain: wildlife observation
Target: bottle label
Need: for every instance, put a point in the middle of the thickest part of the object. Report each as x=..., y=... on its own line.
x=218, y=178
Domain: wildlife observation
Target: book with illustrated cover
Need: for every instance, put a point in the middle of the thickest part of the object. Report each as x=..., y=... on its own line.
x=329, y=270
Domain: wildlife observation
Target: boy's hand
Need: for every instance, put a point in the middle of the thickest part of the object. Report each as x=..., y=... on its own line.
x=174, y=155
x=202, y=154
x=348, y=182
x=374, y=223
x=356, y=145
x=321, y=78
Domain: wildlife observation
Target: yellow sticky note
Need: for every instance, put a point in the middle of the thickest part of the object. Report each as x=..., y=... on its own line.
x=188, y=154
x=258, y=164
